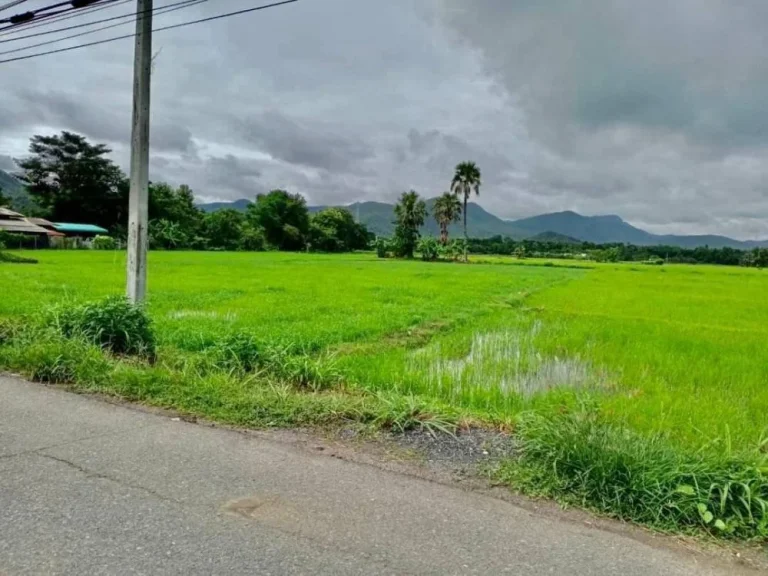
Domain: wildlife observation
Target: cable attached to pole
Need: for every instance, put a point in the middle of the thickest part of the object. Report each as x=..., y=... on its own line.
x=172, y=27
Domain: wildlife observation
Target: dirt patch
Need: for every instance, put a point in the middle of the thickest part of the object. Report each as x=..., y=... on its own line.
x=468, y=452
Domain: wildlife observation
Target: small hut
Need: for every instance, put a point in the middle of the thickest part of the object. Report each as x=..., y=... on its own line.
x=28, y=234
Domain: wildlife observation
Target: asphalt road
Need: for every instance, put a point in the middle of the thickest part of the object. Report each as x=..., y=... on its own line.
x=87, y=487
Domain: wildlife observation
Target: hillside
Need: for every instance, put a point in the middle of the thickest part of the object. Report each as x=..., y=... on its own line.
x=12, y=187
x=378, y=216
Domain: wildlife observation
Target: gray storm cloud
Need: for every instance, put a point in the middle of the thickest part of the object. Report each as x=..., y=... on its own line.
x=653, y=110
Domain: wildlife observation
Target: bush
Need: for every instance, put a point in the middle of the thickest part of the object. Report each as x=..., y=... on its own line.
x=104, y=243
x=115, y=324
x=429, y=248
x=252, y=239
x=383, y=247
x=453, y=250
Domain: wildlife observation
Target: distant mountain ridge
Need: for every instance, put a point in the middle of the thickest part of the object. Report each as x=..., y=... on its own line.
x=378, y=216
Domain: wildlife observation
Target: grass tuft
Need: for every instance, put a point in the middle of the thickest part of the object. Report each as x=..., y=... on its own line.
x=582, y=459
x=114, y=323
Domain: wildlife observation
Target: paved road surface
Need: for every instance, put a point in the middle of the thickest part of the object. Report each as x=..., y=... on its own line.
x=87, y=487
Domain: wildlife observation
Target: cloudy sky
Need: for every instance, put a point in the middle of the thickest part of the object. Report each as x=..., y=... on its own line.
x=654, y=110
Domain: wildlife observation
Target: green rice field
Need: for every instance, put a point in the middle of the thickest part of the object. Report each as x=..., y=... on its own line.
x=670, y=361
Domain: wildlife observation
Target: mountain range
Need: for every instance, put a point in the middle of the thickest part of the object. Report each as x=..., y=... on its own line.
x=558, y=226
x=378, y=216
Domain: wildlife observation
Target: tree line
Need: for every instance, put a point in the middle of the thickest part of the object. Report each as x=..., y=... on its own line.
x=726, y=256
x=69, y=179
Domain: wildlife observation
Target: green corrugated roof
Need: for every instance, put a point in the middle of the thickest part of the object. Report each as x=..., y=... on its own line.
x=87, y=228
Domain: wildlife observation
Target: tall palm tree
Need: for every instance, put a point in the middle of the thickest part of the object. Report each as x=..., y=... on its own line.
x=447, y=210
x=466, y=180
x=410, y=213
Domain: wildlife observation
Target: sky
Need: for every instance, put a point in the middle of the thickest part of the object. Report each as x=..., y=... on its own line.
x=656, y=111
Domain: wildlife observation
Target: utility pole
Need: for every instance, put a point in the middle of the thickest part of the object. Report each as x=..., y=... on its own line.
x=138, y=205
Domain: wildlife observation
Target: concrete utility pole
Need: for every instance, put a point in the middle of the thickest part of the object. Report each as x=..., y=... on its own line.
x=139, y=195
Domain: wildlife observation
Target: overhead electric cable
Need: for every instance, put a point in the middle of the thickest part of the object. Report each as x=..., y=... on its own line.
x=171, y=27
x=158, y=11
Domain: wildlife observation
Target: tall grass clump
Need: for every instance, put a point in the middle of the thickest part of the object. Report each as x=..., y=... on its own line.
x=290, y=363
x=114, y=324
x=48, y=357
x=582, y=459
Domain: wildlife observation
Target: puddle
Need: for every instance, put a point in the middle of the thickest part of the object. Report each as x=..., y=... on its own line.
x=179, y=314
x=506, y=360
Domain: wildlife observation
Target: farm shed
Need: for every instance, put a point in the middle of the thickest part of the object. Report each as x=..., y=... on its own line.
x=29, y=234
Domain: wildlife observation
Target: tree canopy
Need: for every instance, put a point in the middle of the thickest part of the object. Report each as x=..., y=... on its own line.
x=335, y=230
x=447, y=210
x=466, y=179
x=410, y=213
x=74, y=181
x=283, y=217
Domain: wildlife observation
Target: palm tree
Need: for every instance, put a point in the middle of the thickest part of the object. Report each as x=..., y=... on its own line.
x=466, y=180
x=447, y=210
x=410, y=213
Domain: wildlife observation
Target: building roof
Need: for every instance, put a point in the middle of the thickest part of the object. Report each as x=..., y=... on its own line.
x=41, y=222
x=84, y=228
x=6, y=213
x=21, y=227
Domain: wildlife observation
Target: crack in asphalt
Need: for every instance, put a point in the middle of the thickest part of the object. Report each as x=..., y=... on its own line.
x=103, y=476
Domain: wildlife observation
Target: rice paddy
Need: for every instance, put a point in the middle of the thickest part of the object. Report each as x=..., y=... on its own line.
x=662, y=354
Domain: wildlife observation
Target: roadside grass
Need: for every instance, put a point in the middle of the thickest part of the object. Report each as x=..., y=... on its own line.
x=200, y=387
x=636, y=391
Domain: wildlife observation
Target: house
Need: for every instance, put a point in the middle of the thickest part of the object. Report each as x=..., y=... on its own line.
x=49, y=226
x=29, y=235
x=41, y=233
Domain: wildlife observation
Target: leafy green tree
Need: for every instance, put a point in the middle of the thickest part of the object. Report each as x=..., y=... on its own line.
x=410, y=213
x=224, y=229
x=335, y=230
x=252, y=239
x=74, y=181
x=447, y=210
x=283, y=217
x=466, y=180
x=4, y=200
x=176, y=205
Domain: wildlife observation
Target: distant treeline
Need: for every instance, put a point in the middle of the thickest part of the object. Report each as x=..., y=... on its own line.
x=619, y=252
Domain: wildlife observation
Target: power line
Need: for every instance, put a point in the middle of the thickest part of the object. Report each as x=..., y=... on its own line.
x=47, y=20
x=31, y=14
x=159, y=11
x=11, y=4
x=181, y=25
x=131, y=15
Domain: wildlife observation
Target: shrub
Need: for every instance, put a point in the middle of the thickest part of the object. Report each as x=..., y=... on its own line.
x=104, y=243
x=115, y=324
x=429, y=248
x=453, y=250
x=383, y=247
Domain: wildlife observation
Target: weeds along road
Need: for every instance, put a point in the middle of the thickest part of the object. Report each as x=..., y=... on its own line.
x=88, y=487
